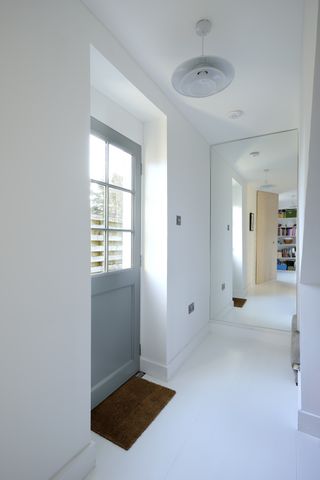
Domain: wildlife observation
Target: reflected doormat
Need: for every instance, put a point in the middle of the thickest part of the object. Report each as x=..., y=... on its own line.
x=126, y=413
x=239, y=302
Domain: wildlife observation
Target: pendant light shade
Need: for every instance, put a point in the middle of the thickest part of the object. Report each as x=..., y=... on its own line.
x=205, y=75
x=202, y=76
x=266, y=185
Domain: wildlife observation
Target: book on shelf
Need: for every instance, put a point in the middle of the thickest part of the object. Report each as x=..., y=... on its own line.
x=287, y=230
x=287, y=253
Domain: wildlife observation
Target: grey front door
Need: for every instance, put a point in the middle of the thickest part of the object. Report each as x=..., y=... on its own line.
x=115, y=172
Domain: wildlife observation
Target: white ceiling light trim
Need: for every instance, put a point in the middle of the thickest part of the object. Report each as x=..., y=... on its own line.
x=235, y=114
x=205, y=75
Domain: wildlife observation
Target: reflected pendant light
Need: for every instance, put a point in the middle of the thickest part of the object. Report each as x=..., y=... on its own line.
x=266, y=185
x=205, y=75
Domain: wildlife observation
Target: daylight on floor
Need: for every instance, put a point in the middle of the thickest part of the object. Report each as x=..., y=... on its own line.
x=178, y=145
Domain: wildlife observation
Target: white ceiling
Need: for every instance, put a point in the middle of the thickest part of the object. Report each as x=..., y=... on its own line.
x=261, y=38
x=277, y=152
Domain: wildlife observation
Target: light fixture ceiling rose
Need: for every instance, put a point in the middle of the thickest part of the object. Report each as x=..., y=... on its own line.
x=203, y=27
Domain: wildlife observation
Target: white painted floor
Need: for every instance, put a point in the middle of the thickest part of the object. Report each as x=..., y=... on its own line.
x=269, y=305
x=233, y=417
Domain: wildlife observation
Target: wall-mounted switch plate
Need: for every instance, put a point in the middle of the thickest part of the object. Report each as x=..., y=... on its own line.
x=228, y=228
x=191, y=308
x=223, y=286
x=178, y=220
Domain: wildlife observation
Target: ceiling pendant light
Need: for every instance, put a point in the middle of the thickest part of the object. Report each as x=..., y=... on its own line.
x=266, y=185
x=205, y=75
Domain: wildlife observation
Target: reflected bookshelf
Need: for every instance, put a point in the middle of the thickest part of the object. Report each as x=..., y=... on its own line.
x=287, y=245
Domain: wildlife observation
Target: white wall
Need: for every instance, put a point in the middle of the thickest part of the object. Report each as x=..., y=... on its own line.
x=116, y=117
x=45, y=283
x=237, y=240
x=154, y=239
x=310, y=273
x=176, y=265
x=188, y=244
x=309, y=288
x=251, y=207
x=307, y=75
x=221, y=235
x=284, y=204
x=45, y=287
x=221, y=238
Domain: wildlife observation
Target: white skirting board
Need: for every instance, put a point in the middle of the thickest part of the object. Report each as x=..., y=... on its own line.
x=308, y=457
x=165, y=372
x=154, y=369
x=246, y=326
x=79, y=466
x=309, y=423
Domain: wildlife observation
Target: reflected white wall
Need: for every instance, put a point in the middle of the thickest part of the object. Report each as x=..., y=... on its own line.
x=237, y=240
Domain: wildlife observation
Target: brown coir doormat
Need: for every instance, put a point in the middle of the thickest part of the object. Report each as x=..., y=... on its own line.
x=239, y=302
x=124, y=415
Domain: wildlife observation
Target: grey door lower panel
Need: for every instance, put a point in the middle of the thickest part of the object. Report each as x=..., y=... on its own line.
x=114, y=342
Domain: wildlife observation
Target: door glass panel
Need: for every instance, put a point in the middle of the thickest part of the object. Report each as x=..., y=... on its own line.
x=120, y=209
x=97, y=205
x=111, y=204
x=120, y=167
x=97, y=251
x=119, y=250
x=97, y=158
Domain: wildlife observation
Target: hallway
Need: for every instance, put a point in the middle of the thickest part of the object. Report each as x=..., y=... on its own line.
x=234, y=415
x=269, y=305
